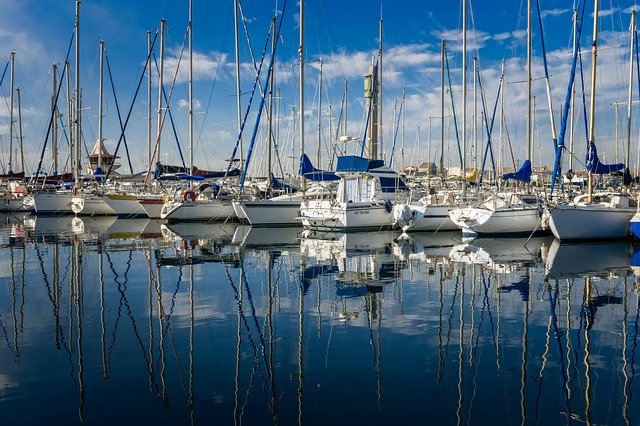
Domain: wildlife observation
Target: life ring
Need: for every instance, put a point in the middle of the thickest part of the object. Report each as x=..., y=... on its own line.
x=188, y=196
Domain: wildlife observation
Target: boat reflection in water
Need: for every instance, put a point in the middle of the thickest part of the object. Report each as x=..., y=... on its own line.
x=207, y=323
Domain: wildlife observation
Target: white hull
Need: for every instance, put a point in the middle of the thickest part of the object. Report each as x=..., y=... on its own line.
x=90, y=205
x=125, y=205
x=589, y=221
x=198, y=210
x=52, y=203
x=271, y=212
x=420, y=217
x=519, y=220
x=152, y=206
x=325, y=214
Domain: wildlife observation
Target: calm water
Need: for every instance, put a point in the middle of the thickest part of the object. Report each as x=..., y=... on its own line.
x=107, y=321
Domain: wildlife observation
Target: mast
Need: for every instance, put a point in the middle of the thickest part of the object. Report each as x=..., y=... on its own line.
x=474, y=150
x=502, y=122
x=160, y=88
x=529, y=123
x=54, y=125
x=380, y=130
x=20, y=134
x=573, y=91
x=100, y=100
x=238, y=102
x=442, y=109
x=592, y=95
x=13, y=60
x=72, y=136
x=301, y=83
x=78, y=109
x=630, y=99
x=191, y=87
x=319, y=116
x=149, y=91
x=270, y=140
x=464, y=95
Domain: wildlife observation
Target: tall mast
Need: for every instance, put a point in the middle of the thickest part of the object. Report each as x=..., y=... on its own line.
x=474, y=150
x=380, y=130
x=630, y=99
x=238, y=101
x=70, y=118
x=529, y=123
x=20, y=134
x=78, y=109
x=573, y=91
x=160, y=88
x=592, y=95
x=149, y=90
x=190, y=87
x=319, y=116
x=270, y=140
x=442, y=109
x=54, y=125
x=13, y=60
x=301, y=83
x=100, y=101
x=464, y=94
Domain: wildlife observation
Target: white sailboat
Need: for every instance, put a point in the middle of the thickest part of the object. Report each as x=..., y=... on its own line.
x=593, y=216
x=364, y=198
x=501, y=213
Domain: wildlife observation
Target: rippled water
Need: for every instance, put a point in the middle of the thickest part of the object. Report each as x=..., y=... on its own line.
x=106, y=321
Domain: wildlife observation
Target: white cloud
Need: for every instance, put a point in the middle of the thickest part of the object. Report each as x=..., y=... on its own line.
x=184, y=104
x=205, y=66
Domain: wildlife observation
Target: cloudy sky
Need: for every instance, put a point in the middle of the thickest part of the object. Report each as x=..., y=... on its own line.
x=343, y=36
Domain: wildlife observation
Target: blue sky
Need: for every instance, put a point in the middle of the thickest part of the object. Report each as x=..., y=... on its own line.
x=345, y=36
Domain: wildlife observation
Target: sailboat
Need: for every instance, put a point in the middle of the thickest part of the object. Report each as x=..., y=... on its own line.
x=59, y=200
x=602, y=215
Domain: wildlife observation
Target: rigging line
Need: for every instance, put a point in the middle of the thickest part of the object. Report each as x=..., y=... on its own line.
x=557, y=169
x=262, y=100
x=126, y=121
x=53, y=111
x=248, y=109
x=453, y=106
x=166, y=110
x=115, y=98
x=489, y=129
x=246, y=32
x=213, y=86
x=173, y=125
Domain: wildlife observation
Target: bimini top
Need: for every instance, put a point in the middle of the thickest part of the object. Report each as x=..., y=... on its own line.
x=354, y=163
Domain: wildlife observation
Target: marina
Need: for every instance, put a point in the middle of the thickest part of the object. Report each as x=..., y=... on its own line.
x=299, y=327
x=221, y=229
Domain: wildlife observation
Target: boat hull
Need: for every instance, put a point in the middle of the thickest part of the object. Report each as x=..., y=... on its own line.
x=198, y=211
x=510, y=221
x=10, y=203
x=268, y=212
x=325, y=215
x=590, y=221
x=424, y=218
x=52, y=203
x=90, y=205
x=124, y=205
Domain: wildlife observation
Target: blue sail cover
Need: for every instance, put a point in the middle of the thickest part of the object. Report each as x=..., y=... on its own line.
x=308, y=171
x=595, y=166
x=277, y=184
x=523, y=175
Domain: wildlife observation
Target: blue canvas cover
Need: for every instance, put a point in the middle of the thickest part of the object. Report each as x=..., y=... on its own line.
x=308, y=171
x=595, y=166
x=522, y=175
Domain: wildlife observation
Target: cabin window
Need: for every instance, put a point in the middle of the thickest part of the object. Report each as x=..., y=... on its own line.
x=359, y=190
